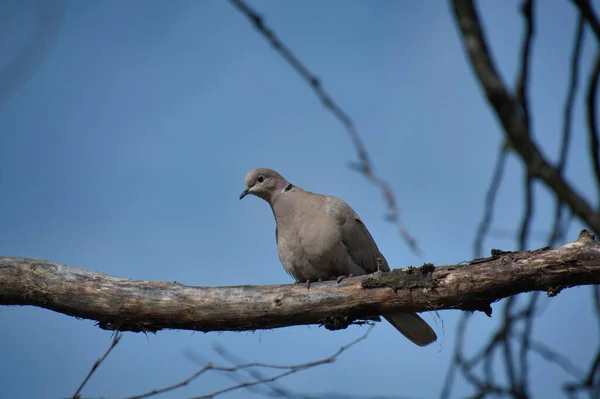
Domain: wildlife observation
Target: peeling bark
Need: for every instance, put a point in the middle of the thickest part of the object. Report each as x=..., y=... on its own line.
x=134, y=305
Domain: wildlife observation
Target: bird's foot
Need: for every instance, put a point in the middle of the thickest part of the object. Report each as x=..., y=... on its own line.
x=340, y=278
x=307, y=282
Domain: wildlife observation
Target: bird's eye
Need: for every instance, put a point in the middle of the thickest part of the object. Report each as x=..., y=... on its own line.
x=260, y=178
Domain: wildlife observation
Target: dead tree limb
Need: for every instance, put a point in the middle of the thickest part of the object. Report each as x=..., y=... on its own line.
x=133, y=305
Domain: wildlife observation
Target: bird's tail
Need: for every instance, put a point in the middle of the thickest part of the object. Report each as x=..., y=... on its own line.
x=413, y=327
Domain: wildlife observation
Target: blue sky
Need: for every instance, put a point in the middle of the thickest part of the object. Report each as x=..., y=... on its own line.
x=125, y=153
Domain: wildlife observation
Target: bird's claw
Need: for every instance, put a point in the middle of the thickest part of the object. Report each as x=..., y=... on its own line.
x=307, y=283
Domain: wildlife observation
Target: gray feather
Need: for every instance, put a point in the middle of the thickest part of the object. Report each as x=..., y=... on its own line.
x=322, y=237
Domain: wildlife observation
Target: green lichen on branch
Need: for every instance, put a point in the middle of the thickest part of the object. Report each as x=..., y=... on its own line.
x=412, y=277
x=427, y=268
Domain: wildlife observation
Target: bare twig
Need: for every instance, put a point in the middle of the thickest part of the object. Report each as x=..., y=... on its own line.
x=456, y=357
x=255, y=373
x=49, y=19
x=523, y=101
x=525, y=342
x=364, y=164
x=513, y=112
x=586, y=10
x=490, y=200
x=591, y=381
x=553, y=356
x=505, y=345
x=522, y=84
x=277, y=391
x=528, y=213
x=97, y=363
x=510, y=114
x=592, y=103
x=519, y=385
x=558, y=230
x=287, y=370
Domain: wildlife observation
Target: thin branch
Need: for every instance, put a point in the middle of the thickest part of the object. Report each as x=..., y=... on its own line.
x=586, y=10
x=557, y=233
x=591, y=381
x=527, y=214
x=523, y=101
x=511, y=116
x=490, y=199
x=553, y=356
x=509, y=363
x=97, y=363
x=513, y=113
x=288, y=370
x=592, y=120
x=570, y=101
x=522, y=89
x=525, y=342
x=276, y=390
x=49, y=19
x=254, y=373
x=364, y=164
x=453, y=368
x=519, y=385
x=460, y=364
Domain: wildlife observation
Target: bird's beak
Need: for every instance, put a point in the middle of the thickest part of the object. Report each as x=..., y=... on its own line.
x=244, y=193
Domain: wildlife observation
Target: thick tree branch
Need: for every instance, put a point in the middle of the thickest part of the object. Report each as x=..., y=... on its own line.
x=133, y=305
x=511, y=115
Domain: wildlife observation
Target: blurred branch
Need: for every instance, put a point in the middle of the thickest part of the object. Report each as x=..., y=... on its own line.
x=131, y=305
x=558, y=229
x=527, y=214
x=511, y=115
x=523, y=101
x=97, y=364
x=490, y=200
x=364, y=164
x=586, y=10
x=255, y=369
x=515, y=367
x=552, y=356
x=592, y=119
x=263, y=384
x=522, y=88
x=287, y=371
x=590, y=383
x=49, y=19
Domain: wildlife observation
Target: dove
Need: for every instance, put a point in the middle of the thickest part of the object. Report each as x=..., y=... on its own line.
x=321, y=237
